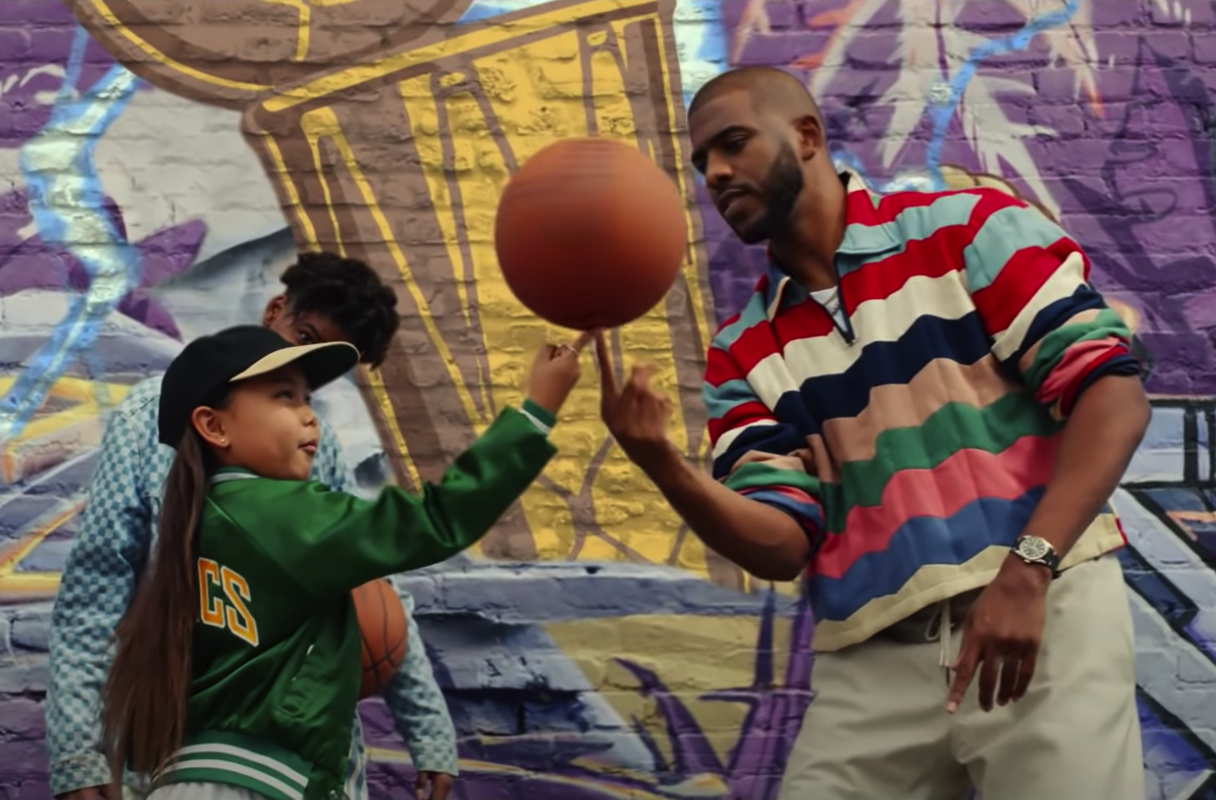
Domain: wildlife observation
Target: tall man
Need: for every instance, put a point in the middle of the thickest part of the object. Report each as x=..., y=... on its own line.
x=326, y=298
x=926, y=407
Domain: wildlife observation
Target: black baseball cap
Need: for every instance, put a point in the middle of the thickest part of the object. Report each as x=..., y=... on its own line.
x=203, y=369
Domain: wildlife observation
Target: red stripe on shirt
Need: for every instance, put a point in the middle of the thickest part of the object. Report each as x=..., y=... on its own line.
x=720, y=367
x=738, y=416
x=1018, y=282
x=804, y=321
x=862, y=207
x=927, y=257
x=753, y=346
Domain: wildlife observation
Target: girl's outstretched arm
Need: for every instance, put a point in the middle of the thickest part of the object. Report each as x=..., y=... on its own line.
x=333, y=541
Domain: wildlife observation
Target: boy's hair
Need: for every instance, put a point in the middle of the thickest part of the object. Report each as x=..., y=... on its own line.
x=145, y=695
x=350, y=294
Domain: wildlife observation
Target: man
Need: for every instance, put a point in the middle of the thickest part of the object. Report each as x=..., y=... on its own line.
x=326, y=298
x=926, y=407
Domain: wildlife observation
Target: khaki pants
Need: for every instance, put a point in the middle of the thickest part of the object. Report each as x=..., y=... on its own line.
x=878, y=727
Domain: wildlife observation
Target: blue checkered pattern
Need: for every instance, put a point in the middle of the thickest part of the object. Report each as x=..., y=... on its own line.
x=116, y=534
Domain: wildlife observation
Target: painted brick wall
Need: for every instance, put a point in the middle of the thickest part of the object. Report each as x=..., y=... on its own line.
x=139, y=209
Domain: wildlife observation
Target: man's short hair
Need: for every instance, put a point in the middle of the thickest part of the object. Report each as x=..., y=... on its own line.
x=348, y=293
x=771, y=90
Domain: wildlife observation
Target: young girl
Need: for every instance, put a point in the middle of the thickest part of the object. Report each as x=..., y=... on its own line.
x=237, y=668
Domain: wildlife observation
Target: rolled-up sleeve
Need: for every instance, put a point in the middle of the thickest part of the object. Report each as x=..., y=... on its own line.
x=753, y=451
x=1030, y=284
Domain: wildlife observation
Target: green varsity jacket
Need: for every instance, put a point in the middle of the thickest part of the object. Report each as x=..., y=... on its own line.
x=276, y=668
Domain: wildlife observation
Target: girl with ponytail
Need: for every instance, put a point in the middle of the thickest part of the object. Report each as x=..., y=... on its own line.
x=237, y=667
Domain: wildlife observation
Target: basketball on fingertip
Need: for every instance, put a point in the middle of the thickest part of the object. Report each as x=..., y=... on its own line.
x=382, y=628
x=590, y=233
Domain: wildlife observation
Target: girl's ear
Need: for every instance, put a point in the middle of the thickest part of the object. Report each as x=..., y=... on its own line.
x=210, y=427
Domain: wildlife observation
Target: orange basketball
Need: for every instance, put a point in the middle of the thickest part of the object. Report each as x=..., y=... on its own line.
x=382, y=626
x=590, y=233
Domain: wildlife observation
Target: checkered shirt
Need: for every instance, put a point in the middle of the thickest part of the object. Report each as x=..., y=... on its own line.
x=111, y=549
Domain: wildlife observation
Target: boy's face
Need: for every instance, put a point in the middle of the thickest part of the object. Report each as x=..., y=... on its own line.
x=265, y=426
x=305, y=328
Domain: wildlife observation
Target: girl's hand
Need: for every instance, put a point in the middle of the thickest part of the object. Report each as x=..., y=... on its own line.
x=554, y=373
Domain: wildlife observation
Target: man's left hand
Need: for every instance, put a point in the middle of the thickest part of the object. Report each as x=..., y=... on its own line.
x=1001, y=636
x=433, y=785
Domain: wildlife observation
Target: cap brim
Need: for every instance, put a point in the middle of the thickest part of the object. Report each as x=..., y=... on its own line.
x=322, y=363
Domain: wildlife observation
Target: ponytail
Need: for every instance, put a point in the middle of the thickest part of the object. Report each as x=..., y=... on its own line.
x=144, y=699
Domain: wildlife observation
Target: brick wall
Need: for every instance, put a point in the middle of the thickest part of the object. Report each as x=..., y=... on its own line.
x=144, y=204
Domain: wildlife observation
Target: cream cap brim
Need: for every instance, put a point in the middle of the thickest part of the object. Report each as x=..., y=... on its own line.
x=322, y=363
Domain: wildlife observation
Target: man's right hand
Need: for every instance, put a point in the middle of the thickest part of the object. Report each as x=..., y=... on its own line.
x=88, y=793
x=637, y=416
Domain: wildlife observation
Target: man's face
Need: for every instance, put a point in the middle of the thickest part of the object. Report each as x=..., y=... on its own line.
x=305, y=328
x=753, y=174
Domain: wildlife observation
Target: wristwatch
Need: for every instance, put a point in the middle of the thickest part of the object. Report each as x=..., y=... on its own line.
x=1036, y=550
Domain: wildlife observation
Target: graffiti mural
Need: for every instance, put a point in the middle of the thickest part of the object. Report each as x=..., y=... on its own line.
x=161, y=163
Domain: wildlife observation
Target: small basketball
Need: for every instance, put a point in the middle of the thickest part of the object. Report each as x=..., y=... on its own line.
x=383, y=629
x=590, y=233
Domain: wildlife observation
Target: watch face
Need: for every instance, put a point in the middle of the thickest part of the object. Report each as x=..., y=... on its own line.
x=1032, y=547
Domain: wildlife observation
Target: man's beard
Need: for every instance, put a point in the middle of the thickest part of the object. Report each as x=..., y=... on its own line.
x=782, y=186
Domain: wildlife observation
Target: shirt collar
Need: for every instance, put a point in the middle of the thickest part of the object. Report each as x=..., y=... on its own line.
x=865, y=233
x=225, y=474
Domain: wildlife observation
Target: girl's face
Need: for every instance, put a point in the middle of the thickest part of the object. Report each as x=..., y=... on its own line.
x=266, y=426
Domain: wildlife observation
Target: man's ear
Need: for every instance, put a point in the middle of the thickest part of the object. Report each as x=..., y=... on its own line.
x=210, y=426
x=811, y=136
x=275, y=309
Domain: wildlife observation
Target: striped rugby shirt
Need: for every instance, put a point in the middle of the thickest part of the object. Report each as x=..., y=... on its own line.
x=932, y=412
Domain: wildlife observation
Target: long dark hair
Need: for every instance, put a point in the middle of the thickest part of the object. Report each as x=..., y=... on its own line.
x=143, y=713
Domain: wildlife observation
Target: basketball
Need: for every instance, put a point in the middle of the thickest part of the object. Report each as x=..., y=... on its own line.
x=382, y=627
x=590, y=233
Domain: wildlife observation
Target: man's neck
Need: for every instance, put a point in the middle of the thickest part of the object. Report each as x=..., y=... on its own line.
x=806, y=250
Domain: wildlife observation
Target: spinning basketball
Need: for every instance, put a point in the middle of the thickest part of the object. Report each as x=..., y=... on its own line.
x=590, y=233
x=382, y=627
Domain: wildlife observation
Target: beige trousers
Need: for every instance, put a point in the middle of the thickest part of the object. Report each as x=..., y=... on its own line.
x=878, y=727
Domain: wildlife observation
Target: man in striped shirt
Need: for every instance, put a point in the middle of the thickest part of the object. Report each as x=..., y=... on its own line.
x=926, y=408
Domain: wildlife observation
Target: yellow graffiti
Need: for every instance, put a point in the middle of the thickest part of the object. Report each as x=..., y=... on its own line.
x=376, y=381
x=528, y=90
x=278, y=168
x=70, y=418
x=723, y=648
x=104, y=12
x=79, y=419
x=303, y=9
x=471, y=768
x=322, y=124
x=31, y=585
x=368, y=196
x=560, y=17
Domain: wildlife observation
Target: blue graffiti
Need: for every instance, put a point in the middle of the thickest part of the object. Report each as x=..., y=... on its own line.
x=943, y=111
x=67, y=203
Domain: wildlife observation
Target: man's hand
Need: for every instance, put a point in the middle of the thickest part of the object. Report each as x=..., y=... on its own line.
x=1002, y=634
x=432, y=785
x=637, y=416
x=88, y=793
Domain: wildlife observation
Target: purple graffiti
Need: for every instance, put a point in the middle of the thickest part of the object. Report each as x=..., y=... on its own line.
x=27, y=262
x=553, y=766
